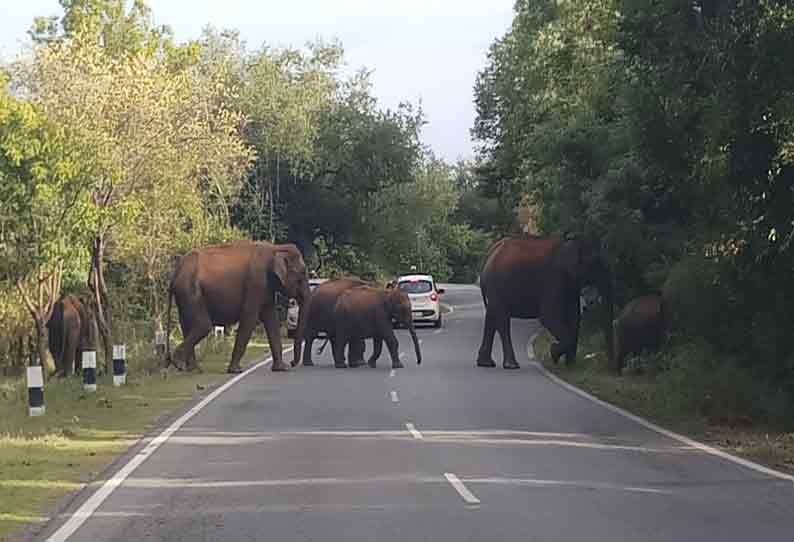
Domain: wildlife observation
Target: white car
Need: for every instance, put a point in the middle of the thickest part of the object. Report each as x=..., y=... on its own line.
x=424, y=296
x=293, y=311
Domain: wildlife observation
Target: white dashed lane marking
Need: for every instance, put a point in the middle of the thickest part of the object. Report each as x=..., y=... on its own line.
x=394, y=398
x=462, y=490
x=412, y=429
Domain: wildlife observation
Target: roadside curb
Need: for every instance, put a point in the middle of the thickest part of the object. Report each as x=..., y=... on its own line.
x=650, y=425
x=107, y=480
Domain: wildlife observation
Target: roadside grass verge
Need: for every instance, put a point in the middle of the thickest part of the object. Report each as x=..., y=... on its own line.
x=42, y=459
x=685, y=390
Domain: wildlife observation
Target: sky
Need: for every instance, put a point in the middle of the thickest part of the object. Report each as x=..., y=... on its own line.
x=419, y=50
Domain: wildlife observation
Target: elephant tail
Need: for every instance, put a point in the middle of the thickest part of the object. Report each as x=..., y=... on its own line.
x=168, y=325
x=322, y=346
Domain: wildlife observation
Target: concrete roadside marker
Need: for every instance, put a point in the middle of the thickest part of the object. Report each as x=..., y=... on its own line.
x=35, y=378
x=119, y=364
x=89, y=370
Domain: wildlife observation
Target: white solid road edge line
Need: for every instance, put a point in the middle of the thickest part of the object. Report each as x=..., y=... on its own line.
x=94, y=501
x=394, y=398
x=652, y=426
x=462, y=490
x=414, y=432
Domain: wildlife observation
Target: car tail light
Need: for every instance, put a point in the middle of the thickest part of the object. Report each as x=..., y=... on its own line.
x=434, y=297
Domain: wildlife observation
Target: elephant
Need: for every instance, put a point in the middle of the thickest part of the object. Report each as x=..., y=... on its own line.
x=366, y=312
x=540, y=277
x=319, y=317
x=221, y=285
x=71, y=330
x=642, y=324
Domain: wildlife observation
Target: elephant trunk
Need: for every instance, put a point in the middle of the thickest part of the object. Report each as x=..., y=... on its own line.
x=412, y=331
x=609, y=316
x=303, y=316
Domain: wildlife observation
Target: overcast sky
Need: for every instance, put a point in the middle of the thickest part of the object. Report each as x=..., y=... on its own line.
x=419, y=49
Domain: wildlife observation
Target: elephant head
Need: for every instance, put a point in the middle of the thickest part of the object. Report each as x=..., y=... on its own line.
x=582, y=262
x=398, y=306
x=290, y=270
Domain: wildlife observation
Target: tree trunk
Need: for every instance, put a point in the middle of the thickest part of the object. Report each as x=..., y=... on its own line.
x=270, y=197
x=42, y=350
x=98, y=287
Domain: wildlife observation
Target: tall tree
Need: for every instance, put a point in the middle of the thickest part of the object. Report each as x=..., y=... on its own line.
x=45, y=201
x=145, y=126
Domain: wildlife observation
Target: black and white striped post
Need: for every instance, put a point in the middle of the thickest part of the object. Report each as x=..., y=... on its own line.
x=89, y=370
x=119, y=364
x=35, y=377
x=159, y=343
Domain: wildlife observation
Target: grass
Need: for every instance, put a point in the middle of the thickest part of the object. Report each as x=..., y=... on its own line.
x=42, y=459
x=706, y=405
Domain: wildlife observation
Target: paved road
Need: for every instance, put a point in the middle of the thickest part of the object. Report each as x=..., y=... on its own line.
x=321, y=454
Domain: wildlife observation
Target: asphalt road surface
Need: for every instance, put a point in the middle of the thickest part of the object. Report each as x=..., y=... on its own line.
x=442, y=451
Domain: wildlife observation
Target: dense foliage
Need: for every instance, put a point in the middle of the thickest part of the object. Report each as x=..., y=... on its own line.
x=121, y=149
x=664, y=129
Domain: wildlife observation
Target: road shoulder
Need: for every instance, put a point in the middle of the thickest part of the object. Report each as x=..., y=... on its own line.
x=768, y=452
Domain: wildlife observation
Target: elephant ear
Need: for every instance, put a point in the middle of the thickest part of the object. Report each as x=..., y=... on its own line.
x=281, y=266
x=392, y=300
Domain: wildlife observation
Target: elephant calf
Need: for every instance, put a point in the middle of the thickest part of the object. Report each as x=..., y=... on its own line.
x=641, y=325
x=70, y=332
x=364, y=312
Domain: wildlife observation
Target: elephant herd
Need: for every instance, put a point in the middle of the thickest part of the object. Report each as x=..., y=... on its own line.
x=236, y=283
x=537, y=277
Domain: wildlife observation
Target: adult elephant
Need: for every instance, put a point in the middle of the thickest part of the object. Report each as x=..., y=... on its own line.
x=222, y=285
x=540, y=277
x=641, y=325
x=319, y=317
x=70, y=330
x=366, y=312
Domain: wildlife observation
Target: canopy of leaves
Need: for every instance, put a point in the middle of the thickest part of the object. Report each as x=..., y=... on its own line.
x=664, y=129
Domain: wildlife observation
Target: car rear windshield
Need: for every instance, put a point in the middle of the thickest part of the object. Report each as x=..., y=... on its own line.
x=416, y=287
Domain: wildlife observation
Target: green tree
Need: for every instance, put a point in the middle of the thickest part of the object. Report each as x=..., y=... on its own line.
x=142, y=126
x=46, y=217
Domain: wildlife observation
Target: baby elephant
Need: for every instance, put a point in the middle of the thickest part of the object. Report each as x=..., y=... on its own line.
x=640, y=325
x=71, y=330
x=364, y=312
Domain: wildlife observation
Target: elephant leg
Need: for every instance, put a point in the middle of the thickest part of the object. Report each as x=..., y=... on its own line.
x=201, y=328
x=508, y=353
x=394, y=346
x=377, y=348
x=244, y=331
x=70, y=353
x=573, y=318
x=273, y=330
x=355, y=353
x=307, y=350
x=561, y=333
x=195, y=322
x=338, y=344
x=484, y=358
